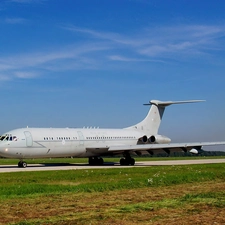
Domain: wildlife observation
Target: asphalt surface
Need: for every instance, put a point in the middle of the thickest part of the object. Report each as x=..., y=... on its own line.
x=65, y=166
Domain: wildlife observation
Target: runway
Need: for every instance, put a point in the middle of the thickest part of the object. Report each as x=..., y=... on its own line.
x=67, y=166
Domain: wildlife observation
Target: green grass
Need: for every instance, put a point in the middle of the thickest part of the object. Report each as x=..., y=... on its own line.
x=22, y=184
x=216, y=199
x=113, y=196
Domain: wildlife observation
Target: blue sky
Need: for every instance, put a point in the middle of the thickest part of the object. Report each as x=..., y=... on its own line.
x=69, y=63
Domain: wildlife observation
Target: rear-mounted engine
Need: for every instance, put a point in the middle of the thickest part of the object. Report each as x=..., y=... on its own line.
x=159, y=139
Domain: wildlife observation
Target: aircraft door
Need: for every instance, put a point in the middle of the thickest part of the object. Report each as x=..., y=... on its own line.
x=81, y=137
x=29, y=139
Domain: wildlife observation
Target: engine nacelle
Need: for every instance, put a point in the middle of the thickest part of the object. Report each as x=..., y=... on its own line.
x=144, y=139
x=159, y=139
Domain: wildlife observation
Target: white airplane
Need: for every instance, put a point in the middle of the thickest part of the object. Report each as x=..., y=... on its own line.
x=139, y=139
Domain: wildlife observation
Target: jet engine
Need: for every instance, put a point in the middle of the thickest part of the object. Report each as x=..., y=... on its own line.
x=159, y=139
x=143, y=139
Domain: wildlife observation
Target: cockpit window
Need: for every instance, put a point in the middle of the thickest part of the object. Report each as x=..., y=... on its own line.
x=14, y=138
x=8, y=137
x=2, y=137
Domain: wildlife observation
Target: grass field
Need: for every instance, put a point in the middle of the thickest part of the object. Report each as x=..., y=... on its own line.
x=193, y=194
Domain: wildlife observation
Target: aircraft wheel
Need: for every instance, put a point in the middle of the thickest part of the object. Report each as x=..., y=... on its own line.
x=127, y=161
x=132, y=161
x=91, y=161
x=22, y=164
x=100, y=161
x=95, y=161
x=122, y=161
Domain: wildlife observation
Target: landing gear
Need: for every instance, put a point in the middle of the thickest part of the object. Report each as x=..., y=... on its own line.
x=127, y=160
x=95, y=161
x=22, y=164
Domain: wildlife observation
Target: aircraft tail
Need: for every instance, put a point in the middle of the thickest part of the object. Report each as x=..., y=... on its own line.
x=151, y=123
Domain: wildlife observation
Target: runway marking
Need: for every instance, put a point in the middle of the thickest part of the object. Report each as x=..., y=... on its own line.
x=80, y=166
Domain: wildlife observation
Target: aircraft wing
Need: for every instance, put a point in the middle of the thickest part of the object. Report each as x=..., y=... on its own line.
x=157, y=148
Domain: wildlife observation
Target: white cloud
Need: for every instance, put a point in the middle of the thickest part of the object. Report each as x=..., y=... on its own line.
x=162, y=42
x=97, y=34
x=21, y=1
x=183, y=41
x=4, y=66
x=43, y=58
x=15, y=20
x=25, y=75
x=126, y=59
x=110, y=36
x=27, y=1
x=22, y=66
x=4, y=77
x=203, y=31
x=160, y=45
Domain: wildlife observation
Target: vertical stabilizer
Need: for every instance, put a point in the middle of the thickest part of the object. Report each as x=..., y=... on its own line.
x=151, y=123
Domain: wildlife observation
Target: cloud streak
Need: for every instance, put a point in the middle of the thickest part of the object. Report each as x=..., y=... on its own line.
x=27, y=1
x=128, y=59
x=164, y=41
x=98, y=49
x=185, y=40
x=15, y=20
x=23, y=65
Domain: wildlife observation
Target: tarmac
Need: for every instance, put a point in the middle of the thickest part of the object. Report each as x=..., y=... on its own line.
x=79, y=166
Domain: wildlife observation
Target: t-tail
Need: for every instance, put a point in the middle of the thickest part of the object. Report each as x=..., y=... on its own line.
x=150, y=125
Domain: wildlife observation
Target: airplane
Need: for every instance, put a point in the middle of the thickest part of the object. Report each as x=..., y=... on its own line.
x=95, y=143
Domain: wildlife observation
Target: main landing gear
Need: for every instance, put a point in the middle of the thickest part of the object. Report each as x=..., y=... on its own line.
x=127, y=160
x=22, y=164
x=95, y=161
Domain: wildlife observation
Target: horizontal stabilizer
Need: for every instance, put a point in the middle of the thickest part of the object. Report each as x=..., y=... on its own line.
x=167, y=103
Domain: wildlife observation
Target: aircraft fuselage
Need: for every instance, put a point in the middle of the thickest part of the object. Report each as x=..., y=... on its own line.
x=64, y=142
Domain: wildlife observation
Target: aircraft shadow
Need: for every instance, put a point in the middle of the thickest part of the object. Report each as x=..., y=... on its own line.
x=77, y=164
x=59, y=165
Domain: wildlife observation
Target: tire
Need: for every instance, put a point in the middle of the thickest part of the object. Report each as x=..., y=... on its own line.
x=122, y=161
x=132, y=161
x=24, y=164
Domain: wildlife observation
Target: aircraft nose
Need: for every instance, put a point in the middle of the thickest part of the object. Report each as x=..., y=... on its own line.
x=3, y=150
